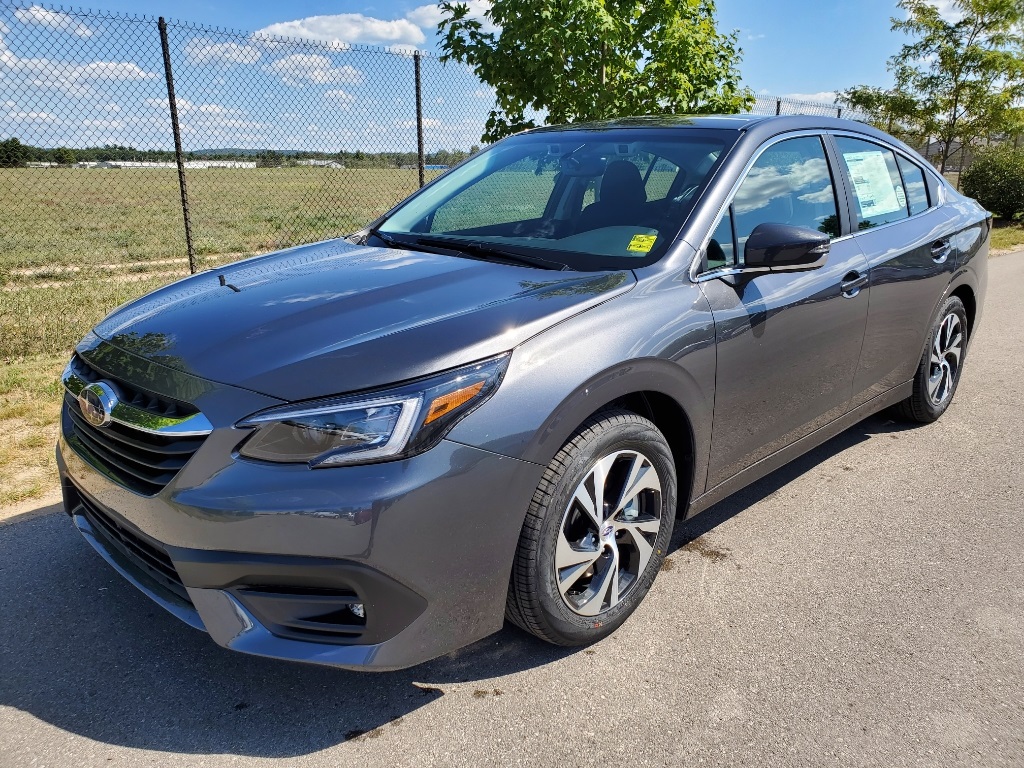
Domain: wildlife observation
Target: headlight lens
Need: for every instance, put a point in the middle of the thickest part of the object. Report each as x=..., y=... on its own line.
x=383, y=425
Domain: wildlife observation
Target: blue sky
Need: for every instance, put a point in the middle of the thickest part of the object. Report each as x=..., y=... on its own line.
x=790, y=46
x=82, y=80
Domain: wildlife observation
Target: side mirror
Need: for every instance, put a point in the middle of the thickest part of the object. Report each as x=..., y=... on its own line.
x=783, y=248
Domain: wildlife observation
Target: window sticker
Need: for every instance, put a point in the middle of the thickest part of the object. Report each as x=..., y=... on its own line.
x=641, y=243
x=874, y=186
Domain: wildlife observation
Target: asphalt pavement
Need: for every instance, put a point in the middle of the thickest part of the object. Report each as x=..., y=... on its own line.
x=862, y=606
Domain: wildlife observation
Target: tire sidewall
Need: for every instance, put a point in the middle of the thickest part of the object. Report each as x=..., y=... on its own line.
x=636, y=435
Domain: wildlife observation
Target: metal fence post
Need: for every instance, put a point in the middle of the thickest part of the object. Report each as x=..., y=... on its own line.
x=173, y=104
x=839, y=112
x=419, y=119
x=778, y=106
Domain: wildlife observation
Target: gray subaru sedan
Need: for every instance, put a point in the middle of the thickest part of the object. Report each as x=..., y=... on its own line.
x=496, y=400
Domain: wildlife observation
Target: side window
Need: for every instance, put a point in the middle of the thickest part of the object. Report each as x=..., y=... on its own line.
x=917, y=190
x=790, y=183
x=877, y=185
x=720, y=248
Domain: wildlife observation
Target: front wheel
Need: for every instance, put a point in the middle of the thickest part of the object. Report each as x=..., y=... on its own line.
x=596, y=532
x=938, y=373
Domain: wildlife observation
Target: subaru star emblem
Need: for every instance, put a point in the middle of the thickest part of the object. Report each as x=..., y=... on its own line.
x=97, y=402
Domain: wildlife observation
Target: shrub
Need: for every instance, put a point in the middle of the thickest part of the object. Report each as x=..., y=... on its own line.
x=996, y=180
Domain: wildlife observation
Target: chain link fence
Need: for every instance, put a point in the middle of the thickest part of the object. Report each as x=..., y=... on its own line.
x=134, y=151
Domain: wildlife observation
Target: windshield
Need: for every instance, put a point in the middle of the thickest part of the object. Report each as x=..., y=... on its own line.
x=587, y=199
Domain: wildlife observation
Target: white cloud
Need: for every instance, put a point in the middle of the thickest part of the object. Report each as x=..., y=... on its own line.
x=349, y=28
x=207, y=52
x=301, y=69
x=755, y=37
x=339, y=98
x=821, y=97
x=429, y=16
x=399, y=35
x=52, y=19
x=948, y=10
x=186, y=107
x=73, y=79
x=428, y=122
x=425, y=16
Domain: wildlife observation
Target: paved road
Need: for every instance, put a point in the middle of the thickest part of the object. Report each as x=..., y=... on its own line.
x=864, y=606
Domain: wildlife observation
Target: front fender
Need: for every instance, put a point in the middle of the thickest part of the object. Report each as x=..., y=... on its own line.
x=657, y=338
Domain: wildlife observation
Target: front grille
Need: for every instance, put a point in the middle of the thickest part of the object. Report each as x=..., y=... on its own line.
x=132, y=395
x=142, y=552
x=141, y=461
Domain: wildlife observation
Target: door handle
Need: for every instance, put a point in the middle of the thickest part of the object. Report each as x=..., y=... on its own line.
x=852, y=284
x=941, y=250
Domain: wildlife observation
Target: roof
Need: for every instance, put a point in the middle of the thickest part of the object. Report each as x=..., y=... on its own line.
x=734, y=122
x=742, y=122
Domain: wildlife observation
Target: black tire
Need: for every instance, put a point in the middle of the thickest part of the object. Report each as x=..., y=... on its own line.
x=922, y=406
x=627, y=444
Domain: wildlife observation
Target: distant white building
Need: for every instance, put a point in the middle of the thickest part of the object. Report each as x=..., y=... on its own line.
x=189, y=164
x=41, y=165
x=321, y=163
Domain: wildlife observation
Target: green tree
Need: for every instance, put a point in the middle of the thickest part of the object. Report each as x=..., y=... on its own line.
x=996, y=180
x=957, y=81
x=63, y=156
x=13, y=153
x=594, y=59
x=268, y=158
x=895, y=110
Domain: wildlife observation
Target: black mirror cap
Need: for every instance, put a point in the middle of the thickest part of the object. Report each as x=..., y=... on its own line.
x=781, y=247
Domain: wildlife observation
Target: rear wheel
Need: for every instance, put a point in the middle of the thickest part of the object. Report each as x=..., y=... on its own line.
x=596, y=531
x=939, y=370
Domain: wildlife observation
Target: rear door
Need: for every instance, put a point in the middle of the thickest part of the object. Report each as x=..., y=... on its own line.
x=788, y=343
x=908, y=242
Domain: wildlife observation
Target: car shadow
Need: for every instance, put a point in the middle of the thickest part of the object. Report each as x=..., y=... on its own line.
x=82, y=650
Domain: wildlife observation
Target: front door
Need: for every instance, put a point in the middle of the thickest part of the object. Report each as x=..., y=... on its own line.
x=788, y=343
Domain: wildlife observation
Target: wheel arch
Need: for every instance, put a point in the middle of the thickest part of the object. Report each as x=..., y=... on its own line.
x=965, y=293
x=657, y=389
x=671, y=420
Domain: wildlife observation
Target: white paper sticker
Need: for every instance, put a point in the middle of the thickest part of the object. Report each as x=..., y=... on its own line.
x=874, y=186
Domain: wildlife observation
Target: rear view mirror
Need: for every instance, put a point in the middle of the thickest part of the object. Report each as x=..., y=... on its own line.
x=582, y=165
x=783, y=248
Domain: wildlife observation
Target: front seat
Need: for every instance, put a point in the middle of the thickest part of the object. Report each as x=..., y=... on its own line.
x=622, y=198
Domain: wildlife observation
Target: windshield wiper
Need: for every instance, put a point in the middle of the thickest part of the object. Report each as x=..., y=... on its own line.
x=468, y=249
x=488, y=251
x=394, y=242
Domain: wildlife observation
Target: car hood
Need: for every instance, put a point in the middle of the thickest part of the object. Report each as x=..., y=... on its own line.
x=333, y=317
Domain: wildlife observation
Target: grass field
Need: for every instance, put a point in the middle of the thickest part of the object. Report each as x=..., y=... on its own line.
x=1007, y=235
x=83, y=241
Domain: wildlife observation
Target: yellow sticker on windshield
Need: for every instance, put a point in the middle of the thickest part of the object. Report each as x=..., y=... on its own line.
x=641, y=243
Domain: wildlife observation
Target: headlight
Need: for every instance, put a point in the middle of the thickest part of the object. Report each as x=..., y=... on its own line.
x=377, y=426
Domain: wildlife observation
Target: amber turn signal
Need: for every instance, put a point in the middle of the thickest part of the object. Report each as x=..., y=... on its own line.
x=445, y=403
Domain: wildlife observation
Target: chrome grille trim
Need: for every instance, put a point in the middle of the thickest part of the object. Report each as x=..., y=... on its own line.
x=144, y=420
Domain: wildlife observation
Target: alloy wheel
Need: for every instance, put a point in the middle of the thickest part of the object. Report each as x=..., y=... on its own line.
x=947, y=350
x=607, y=534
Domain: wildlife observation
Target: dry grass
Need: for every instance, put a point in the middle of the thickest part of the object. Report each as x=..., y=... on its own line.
x=82, y=241
x=30, y=396
x=1007, y=235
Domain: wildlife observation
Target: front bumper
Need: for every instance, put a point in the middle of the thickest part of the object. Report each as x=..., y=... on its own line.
x=269, y=559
